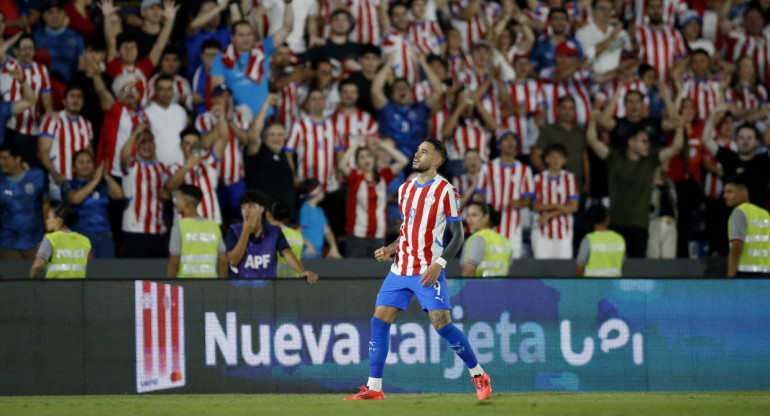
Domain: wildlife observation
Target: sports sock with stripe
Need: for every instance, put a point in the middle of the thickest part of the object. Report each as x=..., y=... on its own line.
x=461, y=346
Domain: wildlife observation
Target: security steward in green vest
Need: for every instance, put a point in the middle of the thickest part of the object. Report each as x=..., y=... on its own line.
x=195, y=247
x=749, y=232
x=278, y=215
x=63, y=253
x=486, y=253
x=602, y=251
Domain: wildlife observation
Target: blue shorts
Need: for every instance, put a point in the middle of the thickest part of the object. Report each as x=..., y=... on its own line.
x=228, y=199
x=397, y=291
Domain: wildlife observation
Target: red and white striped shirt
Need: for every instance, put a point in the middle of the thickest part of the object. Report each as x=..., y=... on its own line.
x=426, y=209
x=182, y=91
x=608, y=91
x=529, y=94
x=359, y=122
x=36, y=75
x=556, y=191
x=757, y=47
x=458, y=64
x=712, y=184
x=471, y=135
x=501, y=184
x=315, y=145
x=437, y=121
x=464, y=184
x=671, y=9
x=366, y=210
x=288, y=101
x=659, y=48
x=366, y=13
x=205, y=176
x=119, y=122
x=577, y=87
x=69, y=136
x=142, y=185
x=142, y=70
x=428, y=37
x=473, y=29
x=231, y=165
x=746, y=98
x=472, y=80
x=704, y=93
x=405, y=53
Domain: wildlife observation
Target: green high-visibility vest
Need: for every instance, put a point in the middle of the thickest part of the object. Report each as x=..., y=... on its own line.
x=755, y=257
x=606, y=254
x=294, y=238
x=200, y=248
x=497, y=254
x=69, y=257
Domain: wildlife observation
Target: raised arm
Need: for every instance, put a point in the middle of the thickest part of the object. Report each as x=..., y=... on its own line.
x=111, y=29
x=28, y=97
x=606, y=118
x=384, y=17
x=94, y=72
x=434, y=99
x=177, y=179
x=676, y=147
x=128, y=148
x=169, y=14
x=470, y=11
x=708, y=131
x=592, y=137
x=400, y=159
x=288, y=25
x=6, y=44
x=258, y=124
x=725, y=26
x=379, y=100
x=204, y=17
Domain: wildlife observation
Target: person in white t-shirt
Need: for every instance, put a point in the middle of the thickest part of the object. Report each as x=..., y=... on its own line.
x=167, y=120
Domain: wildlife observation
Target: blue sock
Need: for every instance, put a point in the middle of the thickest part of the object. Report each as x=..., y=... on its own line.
x=459, y=344
x=378, y=347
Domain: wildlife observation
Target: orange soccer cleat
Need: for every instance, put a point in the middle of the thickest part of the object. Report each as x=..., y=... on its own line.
x=483, y=386
x=366, y=394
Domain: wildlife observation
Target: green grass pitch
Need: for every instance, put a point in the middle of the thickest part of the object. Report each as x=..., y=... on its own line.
x=519, y=404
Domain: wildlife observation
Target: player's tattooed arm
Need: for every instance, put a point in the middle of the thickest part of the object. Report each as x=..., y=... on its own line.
x=384, y=253
x=456, y=243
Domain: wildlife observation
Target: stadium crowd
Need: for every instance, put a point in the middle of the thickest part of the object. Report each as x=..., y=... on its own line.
x=546, y=108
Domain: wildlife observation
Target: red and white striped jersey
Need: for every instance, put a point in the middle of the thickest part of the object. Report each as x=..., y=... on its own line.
x=422, y=90
x=231, y=165
x=405, y=53
x=36, y=75
x=473, y=29
x=704, y=93
x=609, y=89
x=205, y=176
x=712, y=184
x=315, y=145
x=142, y=185
x=746, y=98
x=471, y=135
x=577, y=87
x=366, y=13
x=119, y=122
x=757, y=47
x=472, y=80
x=428, y=37
x=659, y=48
x=142, y=70
x=501, y=184
x=436, y=122
x=671, y=9
x=574, y=14
x=529, y=94
x=288, y=101
x=182, y=91
x=425, y=209
x=359, y=122
x=366, y=210
x=458, y=64
x=464, y=184
x=69, y=136
x=556, y=191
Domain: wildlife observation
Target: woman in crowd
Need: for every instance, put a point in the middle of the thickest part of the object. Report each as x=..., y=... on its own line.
x=89, y=195
x=486, y=253
x=745, y=95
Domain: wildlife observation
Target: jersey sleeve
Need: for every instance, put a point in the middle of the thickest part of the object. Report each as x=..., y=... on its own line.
x=528, y=184
x=572, y=190
x=202, y=124
x=175, y=240
x=451, y=204
x=538, y=191
x=481, y=187
x=45, y=251
x=583, y=252
x=45, y=84
x=737, y=225
x=294, y=137
x=474, y=250
x=113, y=68
x=48, y=127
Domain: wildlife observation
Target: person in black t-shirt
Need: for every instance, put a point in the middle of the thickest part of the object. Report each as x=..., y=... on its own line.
x=341, y=52
x=370, y=60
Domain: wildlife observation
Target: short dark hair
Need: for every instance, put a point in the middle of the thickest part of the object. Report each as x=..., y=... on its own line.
x=13, y=148
x=280, y=210
x=431, y=58
x=557, y=10
x=164, y=77
x=595, y=2
x=597, y=214
x=737, y=180
x=254, y=196
x=125, y=38
x=440, y=148
x=564, y=98
x=211, y=43
x=314, y=65
x=370, y=48
x=80, y=152
x=634, y=92
x=72, y=87
x=192, y=192
x=242, y=22
x=170, y=50
x=67, y=214
x=555, y=147
x=188, y=131
x=645, y=68
x=25, y=36
x=307, y=186
x=751, y=127
x=394, y=5
x=346, y=81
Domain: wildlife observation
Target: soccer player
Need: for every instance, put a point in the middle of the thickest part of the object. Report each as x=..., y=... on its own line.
x=428, y=204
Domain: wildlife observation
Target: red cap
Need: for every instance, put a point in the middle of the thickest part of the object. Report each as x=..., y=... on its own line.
x=567, y=47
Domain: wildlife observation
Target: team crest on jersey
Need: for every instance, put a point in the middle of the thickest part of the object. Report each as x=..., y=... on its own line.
x=430, y=200
x=457, y=201
x=29, y=188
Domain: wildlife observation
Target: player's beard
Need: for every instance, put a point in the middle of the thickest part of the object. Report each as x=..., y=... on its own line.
x=420, y=168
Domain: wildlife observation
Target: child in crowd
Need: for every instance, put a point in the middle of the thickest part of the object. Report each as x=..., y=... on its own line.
x=313, y=223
